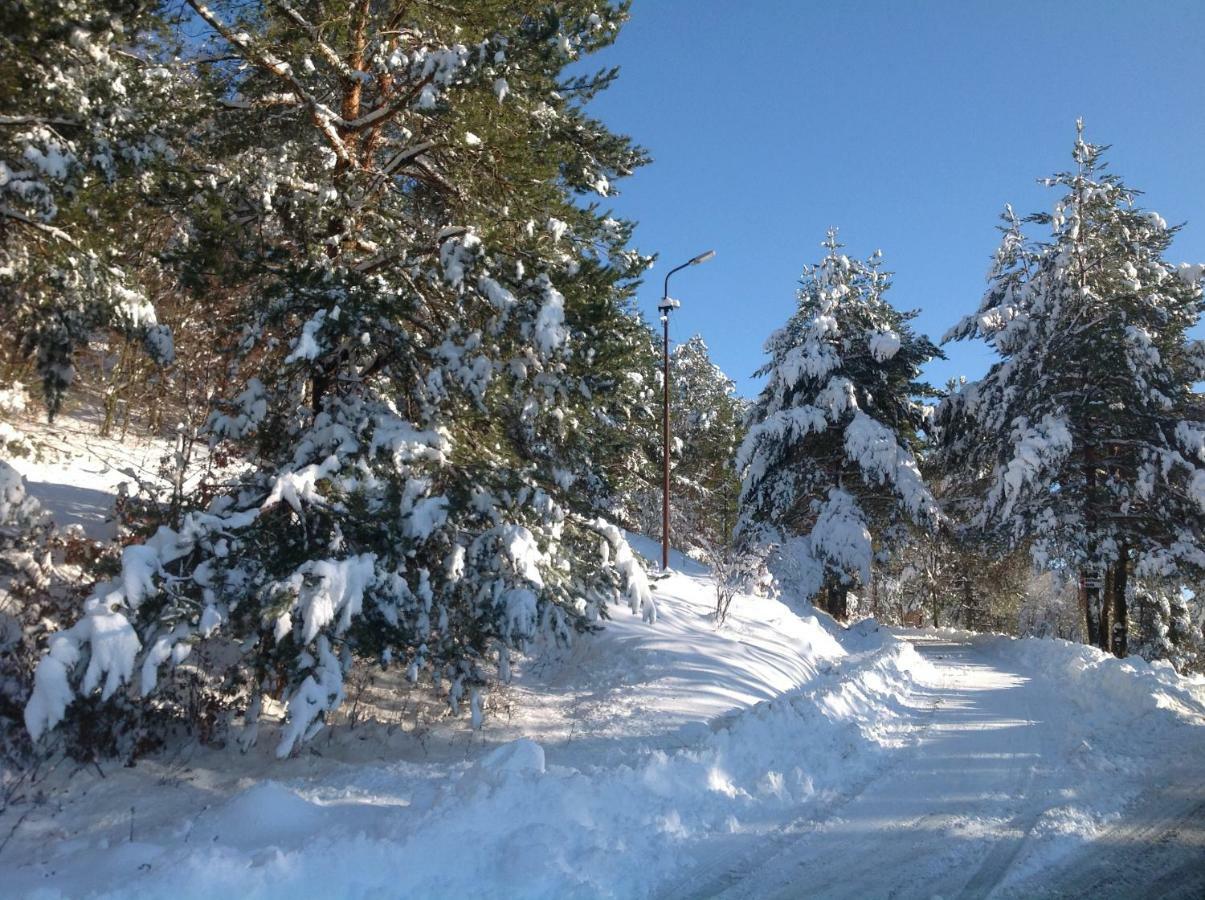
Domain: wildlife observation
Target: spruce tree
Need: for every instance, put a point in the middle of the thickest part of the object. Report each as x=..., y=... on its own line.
x=437, y=345
x=829, y=456
x=1086, y=439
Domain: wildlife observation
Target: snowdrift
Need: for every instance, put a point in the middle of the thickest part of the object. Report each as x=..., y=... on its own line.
x=657, y=747
x=1130, y=694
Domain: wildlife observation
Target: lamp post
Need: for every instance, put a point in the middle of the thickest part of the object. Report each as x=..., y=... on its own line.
x=664, y=307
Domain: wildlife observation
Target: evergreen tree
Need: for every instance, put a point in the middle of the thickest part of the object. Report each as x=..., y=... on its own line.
x=829, y=456
x=437, y=345
x=706, y=426
x=92, y=110
x=1086, y=437
x=1168, y=625
x=706, y=422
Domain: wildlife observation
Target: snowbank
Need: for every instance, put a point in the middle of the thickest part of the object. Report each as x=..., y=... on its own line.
x=1115, y=691
x=508, y=825
x=656, y=747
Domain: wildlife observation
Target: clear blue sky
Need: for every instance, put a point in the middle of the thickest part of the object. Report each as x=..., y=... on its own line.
x=906, y=124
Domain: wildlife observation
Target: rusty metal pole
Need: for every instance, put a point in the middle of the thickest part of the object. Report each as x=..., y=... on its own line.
x=664, y=308
x=665, y=443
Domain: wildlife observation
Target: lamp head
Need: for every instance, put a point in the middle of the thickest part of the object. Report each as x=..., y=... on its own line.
x=703, y=257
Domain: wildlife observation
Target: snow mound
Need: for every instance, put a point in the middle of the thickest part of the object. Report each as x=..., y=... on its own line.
x=517, y=756
x=636, y=756
x=267, y=814
x=1122, y=690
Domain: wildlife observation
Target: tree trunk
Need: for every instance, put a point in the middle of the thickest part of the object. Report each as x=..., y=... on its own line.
x=1121, y=623
x=839, y=602
x=1089, y=591
x=1106, y=597
x=1090, y=581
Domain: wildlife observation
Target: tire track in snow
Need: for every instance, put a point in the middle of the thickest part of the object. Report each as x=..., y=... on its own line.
x=729, y=870
x=948, y=817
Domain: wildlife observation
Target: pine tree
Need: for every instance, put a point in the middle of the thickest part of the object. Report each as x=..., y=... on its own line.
x=92, y=110
x=829, y=456
x=1169, y=625
x=706, y=427
x=1086, y=438
x=437, y=345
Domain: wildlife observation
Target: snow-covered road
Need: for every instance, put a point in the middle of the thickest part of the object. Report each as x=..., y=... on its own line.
x=957, y=815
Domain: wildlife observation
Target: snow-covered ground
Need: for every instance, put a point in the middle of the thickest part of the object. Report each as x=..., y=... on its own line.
x=778, y=755
x=75, y=472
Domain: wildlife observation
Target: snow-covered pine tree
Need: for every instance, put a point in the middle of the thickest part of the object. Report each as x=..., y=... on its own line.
x=437, y=329
x=1168, y=622
x=706, y=426
x=706, y=421
x=1086, y=437
x=91, y=108
x=25, y=572
x=829, y=456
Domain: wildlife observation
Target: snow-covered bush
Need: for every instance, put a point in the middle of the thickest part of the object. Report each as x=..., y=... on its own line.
x=25, y=573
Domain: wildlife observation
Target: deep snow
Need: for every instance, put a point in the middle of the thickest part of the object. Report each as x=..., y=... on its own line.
x=776, y=755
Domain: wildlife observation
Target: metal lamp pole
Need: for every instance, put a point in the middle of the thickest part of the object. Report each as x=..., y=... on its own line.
x=664, y=307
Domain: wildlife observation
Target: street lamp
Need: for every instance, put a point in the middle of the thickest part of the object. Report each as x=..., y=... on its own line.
x=664, y=307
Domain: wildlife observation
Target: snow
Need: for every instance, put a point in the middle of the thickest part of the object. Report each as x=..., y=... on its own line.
x=75, y=473
x=680, y=757
x=14, y=497
x=884, y=345
x=427, y=515
x=52, y=690
x=1039, y=448
x=14, y=399
x=457, y=253
x=330, y=588
x=841, y=537
x=669, y=756
x=302, y=485
x=521, y=548
x=112, y=647
x=320, y=691
x=550, y=330
x=307, y=346
x=873, y=446
x=1191, y=273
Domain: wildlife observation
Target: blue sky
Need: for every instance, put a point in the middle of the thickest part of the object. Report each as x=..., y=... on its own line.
x=906, y=124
